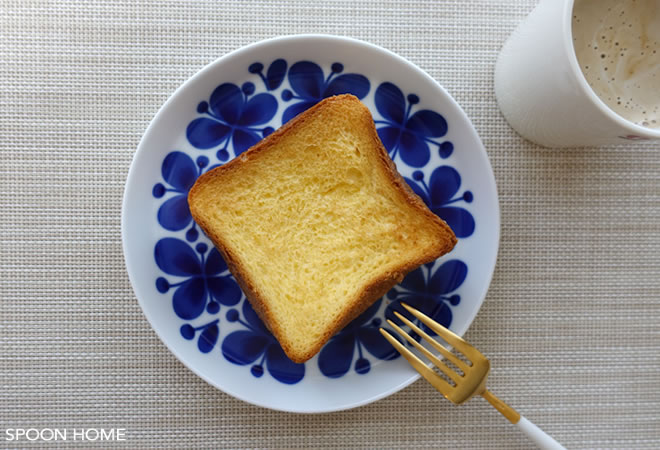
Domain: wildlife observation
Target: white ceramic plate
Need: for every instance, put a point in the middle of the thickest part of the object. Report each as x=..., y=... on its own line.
x=182, y=284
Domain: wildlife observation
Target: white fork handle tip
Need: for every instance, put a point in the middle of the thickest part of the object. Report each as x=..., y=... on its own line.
x=538, y=436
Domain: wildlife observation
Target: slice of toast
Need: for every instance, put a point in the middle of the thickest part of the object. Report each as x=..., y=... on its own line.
x=316, y=224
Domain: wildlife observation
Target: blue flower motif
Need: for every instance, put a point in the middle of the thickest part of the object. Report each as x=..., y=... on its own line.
x=231, y=115
x=406, y=134
x=207, y=282
x=179, y=172
x=437, y=194
x=337, y=355
x=207, y=338
x=310, y=86
x=274, y=75
x=429, y=292
x=257, y=346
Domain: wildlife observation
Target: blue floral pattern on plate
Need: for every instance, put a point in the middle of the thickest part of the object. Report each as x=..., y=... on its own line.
x=406, y=134
x=234, y=115
x=431, y=290
x=206, y=280
x=257, y=344
x=179, y=173
x=194, y=277
x=336, y=356
x=444, y=184
x=310, y=86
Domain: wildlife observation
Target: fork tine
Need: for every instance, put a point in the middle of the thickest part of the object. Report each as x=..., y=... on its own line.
x=429, y=374
x=435, y=344
x=434, y=359
x=452, y=339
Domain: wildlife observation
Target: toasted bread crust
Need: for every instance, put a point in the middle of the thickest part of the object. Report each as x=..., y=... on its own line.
x=371, y=292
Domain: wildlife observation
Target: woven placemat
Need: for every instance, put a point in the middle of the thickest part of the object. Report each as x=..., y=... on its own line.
x=571, y=322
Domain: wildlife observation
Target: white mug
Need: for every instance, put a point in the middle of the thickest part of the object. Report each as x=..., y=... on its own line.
x=543, y=93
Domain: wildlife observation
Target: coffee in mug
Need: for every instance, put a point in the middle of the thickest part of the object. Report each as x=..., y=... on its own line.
x=617, y=44
x=578, y=73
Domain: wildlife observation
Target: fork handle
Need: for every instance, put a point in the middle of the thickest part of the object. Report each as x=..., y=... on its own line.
x=538, y=436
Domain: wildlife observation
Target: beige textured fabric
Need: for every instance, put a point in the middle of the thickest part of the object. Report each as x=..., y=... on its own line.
x=571, y=322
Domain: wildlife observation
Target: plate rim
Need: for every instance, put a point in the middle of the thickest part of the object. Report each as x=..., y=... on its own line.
x=131, y=180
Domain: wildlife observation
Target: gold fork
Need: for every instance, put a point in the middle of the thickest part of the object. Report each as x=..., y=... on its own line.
x=465, y=385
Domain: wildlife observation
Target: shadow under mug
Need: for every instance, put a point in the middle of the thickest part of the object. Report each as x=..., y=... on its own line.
x=543, y=93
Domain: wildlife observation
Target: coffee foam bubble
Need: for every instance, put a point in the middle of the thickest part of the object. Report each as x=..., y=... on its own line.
x=617, y=44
